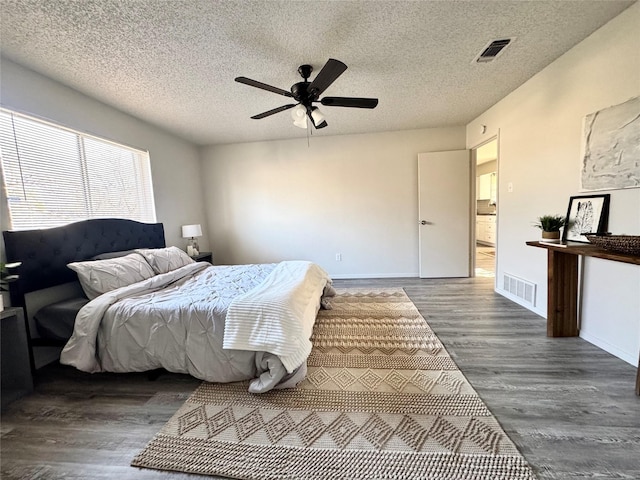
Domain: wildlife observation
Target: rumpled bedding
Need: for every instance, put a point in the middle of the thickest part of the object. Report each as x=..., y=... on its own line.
x=278, y=315
x=176, y=321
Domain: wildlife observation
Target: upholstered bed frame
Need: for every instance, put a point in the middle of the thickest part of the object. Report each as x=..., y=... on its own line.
x=45, y=253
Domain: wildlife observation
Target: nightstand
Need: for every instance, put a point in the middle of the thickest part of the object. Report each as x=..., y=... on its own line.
x=16, y=369
x=204, y=257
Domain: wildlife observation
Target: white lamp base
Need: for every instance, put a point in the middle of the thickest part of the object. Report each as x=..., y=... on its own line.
x=193, y=248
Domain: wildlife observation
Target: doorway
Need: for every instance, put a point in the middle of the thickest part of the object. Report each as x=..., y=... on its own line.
x=486, y=208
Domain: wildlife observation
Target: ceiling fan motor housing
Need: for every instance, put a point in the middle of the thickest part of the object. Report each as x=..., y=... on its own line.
x=300, y=92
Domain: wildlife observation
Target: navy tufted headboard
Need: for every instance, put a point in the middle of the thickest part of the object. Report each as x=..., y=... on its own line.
x=45, y=253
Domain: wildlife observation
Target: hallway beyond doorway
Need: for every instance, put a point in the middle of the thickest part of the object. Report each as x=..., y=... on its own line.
x=485, y=261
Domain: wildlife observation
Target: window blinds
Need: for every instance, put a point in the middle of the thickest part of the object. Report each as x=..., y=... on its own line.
x=54, y=175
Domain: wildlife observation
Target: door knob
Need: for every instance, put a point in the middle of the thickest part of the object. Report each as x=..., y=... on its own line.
x=423, y=222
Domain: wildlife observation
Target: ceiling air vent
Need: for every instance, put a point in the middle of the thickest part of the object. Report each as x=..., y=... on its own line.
x=492, y=51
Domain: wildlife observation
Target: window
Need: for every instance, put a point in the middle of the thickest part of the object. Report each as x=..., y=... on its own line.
x=54, y=175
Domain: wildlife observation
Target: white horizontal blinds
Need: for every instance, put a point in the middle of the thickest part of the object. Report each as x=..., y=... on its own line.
x=54, y=176
x=119, y=182
x=41, y=173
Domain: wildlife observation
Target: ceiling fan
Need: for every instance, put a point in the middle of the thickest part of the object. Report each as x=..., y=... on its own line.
x=306, y=94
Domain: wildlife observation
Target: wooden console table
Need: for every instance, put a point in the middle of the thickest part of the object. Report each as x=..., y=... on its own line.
x=562, y=285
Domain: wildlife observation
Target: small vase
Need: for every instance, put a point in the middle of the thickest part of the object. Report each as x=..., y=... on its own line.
x=551, y=235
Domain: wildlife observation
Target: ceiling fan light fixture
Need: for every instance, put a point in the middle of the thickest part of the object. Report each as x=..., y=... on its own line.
x=299, y=116
x=317, y=115
x=302, y=123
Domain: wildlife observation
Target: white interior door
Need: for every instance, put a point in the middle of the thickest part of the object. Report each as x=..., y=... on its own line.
x=444, y=206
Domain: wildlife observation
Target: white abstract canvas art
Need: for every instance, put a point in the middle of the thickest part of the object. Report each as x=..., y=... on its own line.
x=611, y=148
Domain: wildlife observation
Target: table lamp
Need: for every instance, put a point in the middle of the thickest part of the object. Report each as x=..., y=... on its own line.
x=191, y=232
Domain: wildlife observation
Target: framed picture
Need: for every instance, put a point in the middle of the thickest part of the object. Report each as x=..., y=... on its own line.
x=586, y=214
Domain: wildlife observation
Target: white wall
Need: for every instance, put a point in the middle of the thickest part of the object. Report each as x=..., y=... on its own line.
x=540, y=128
x=175, y=163
x=356, y=195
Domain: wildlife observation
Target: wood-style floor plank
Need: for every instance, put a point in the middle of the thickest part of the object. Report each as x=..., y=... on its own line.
x=568, y=406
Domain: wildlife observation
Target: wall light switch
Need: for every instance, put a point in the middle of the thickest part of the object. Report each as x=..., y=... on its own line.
x=510, y=187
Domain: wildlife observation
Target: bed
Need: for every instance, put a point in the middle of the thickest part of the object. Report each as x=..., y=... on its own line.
x=149, y=306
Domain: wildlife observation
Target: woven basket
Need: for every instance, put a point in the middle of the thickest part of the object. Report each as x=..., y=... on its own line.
x=629, y=244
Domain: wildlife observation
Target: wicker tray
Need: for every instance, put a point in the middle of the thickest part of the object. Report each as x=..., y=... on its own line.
x=629, y=244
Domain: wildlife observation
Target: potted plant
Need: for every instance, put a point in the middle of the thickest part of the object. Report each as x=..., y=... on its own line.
x=550, y=226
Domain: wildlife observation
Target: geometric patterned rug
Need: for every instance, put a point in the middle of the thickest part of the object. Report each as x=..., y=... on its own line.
x=382, y=399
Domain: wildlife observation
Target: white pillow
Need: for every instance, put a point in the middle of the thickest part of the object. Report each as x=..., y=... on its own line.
x=164, y=260
x=101, y=276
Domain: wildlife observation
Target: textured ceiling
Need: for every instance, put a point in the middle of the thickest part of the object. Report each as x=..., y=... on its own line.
x=173, y=63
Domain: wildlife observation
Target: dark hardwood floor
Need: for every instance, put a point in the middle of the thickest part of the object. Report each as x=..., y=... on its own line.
x=569, y=406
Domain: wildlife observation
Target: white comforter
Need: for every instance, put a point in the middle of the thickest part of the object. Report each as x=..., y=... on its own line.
x=177, y=320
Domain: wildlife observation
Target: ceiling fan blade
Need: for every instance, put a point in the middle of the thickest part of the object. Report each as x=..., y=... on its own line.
x=349, y=102
x=331, y=70
x=275, y=110
x=263, y=86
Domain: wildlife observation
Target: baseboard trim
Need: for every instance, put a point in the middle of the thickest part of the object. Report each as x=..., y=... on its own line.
x=612, y=349
x=347, y=276
x=594, y=340
x=517, y=300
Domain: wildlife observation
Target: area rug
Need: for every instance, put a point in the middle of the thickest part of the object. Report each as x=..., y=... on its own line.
x=382, y=400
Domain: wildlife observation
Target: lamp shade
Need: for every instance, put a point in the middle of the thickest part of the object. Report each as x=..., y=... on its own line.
x=317, y=116
x=301, y=123
x=299, y=116
x=189, y=231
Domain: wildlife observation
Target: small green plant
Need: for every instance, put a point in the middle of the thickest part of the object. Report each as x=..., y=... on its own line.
x=550, y=223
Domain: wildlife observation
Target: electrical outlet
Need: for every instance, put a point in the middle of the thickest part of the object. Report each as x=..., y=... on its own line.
x=338, y=257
